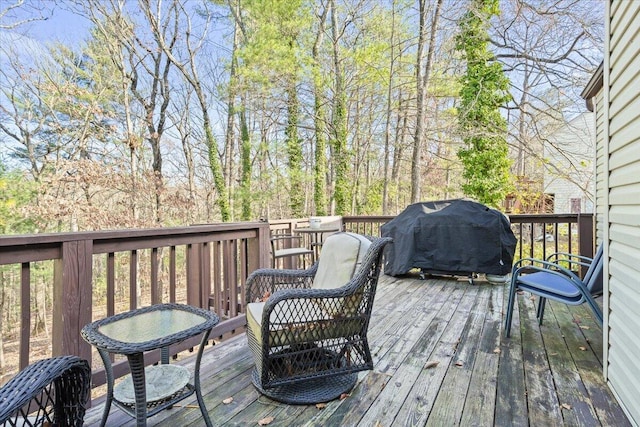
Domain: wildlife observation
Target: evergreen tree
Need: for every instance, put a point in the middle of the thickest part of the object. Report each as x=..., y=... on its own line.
x=483, y=91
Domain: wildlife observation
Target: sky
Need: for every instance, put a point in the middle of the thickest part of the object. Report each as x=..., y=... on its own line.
x=58, y=24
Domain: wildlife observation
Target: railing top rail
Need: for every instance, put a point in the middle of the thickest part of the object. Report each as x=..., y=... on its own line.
x=39, y=247
x=47, y=238
x=546, y=217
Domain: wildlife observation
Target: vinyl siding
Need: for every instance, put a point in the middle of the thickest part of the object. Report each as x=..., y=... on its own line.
x=623, y=202
x=601, y=191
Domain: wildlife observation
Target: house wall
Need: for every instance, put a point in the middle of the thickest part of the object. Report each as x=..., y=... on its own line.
x=600, y=165
x=569, y=174
x=622, y=218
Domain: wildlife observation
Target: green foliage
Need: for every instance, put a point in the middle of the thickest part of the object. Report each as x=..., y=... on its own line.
x=270, y=51
x=294, y=151
x=484, y=90
x=246, y=168
x=341, y=158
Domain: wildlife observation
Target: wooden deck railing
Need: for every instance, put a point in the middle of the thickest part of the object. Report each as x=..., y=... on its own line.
x=204, y=265
x=537, y=235
x=96, y=274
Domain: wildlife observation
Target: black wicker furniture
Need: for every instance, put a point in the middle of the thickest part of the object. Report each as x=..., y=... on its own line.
x=307, y=329
x=52, y=391
x=149, y=391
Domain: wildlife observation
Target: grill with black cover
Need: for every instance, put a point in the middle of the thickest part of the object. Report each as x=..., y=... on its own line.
x=453, y=237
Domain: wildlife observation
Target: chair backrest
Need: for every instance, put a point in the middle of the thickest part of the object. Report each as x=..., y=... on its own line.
x=341, y=255
x=593, y=277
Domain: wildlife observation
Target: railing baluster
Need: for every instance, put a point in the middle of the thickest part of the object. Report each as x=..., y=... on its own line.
x=172, y=274
x=25, y=313
x=205, y=275
x=231, y=274
x=111, y=284
x=133, y=280
x=156, y=292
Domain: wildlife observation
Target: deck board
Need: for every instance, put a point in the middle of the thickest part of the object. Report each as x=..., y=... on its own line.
x=440, y=358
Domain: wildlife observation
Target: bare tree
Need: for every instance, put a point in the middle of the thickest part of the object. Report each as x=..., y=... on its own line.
x=30, y=11
x=549, y=51
x=423, y=71
x=189, y=70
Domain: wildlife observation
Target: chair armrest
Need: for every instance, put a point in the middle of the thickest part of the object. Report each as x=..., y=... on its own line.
x=571, y=259
x=548, y=265
x=285, y=237
x=269, y=280
x=68, y=378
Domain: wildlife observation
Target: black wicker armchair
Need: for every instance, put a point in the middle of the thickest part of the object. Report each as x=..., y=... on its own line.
x=50, y=392
x=307, y=329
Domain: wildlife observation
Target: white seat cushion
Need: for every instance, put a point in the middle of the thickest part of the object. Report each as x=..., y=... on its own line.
x=302, y=322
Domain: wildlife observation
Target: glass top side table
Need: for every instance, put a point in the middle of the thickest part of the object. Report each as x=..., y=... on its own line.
x=134, y=332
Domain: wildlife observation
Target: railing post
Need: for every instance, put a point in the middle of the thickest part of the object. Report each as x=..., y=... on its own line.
x=72, y=298
x=258, y=250
x=194, y=273
x=586, y=232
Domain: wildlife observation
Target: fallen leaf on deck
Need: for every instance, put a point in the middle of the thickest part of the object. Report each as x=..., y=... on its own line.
x=266, y=421
x=584, y=327
x=532, y=298
x=227, y=400
x=321, y=405
x=378, y=424
x=431, y=364
x=459, y=363
x=565, y=406
x=497, y=350
x=583, y=348
x=343, y=396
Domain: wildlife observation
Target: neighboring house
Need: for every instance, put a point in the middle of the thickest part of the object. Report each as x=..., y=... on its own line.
x=569, y=171
x=615, y=98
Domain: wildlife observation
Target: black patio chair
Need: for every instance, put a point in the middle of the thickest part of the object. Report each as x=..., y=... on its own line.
x=307, y=329
x=288, y=246
x=554, y=279
x=50, y=392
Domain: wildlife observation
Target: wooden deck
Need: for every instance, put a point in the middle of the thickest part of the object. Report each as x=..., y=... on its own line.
x=440, y=359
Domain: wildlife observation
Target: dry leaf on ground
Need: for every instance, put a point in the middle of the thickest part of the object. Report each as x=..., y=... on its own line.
x=565, y=406
x=321, y=405
x=584, y=327
x=266, y=421
x=431, y=364
x=459, y=363
x=227, y=400
x=497, y=350
x=583, y=348
x=343, y=396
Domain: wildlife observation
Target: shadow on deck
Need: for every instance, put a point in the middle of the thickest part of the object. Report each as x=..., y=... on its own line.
x=440, y=359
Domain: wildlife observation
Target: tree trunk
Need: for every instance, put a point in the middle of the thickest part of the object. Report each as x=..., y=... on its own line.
x=320, y=169
x=339, y=143
x=422, y=81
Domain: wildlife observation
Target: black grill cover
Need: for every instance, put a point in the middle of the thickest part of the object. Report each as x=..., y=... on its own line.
x=457, y=237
